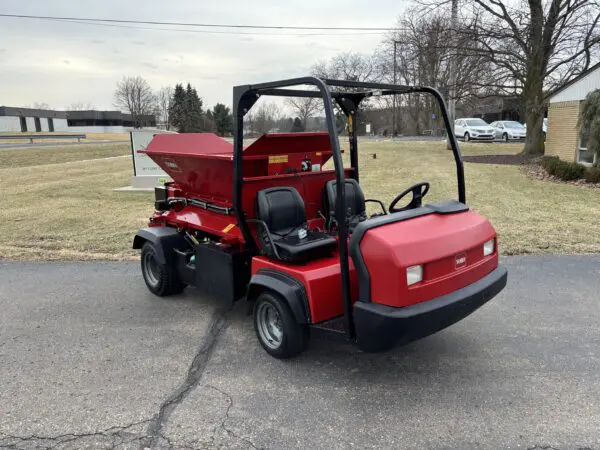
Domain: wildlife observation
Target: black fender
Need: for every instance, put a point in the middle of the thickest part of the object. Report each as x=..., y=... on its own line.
x=165, y=239
x=286, y=286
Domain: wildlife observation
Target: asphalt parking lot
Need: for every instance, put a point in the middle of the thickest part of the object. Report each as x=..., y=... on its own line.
x=90, y=359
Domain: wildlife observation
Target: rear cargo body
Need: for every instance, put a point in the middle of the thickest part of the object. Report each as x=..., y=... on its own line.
x=201, y=165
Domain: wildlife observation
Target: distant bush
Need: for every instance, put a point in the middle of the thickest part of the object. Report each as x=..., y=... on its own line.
x=563, y=170
x=592, y=175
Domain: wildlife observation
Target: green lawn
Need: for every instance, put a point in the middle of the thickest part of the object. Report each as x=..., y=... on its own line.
x=60, y=205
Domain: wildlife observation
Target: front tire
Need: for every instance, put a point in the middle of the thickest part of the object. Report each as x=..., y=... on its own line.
x=276, y=327
x=467, y=137
x=505, y=137
x=161, y=279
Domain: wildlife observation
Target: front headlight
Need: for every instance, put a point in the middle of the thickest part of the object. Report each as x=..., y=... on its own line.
x=414, y=274
x=488, y=247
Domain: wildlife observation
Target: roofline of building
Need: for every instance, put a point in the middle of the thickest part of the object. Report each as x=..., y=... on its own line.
x=574, y=80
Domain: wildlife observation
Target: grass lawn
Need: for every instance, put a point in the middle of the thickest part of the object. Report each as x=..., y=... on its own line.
x=23, y=157
x=119, y=137
x=66, y=209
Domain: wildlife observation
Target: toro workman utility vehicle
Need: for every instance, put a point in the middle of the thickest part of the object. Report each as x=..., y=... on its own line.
x=269, y=224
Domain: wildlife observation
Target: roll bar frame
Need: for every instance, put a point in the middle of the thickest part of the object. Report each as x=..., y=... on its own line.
x=348, y=99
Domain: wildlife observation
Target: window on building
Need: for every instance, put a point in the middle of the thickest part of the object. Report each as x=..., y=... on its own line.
x=584, y=155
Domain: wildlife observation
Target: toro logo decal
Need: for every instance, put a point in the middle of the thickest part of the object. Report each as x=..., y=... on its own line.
x=460, y=260
x=172, y=165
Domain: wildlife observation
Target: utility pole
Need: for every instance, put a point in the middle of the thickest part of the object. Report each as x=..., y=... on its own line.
x=395, y=80
x=453, y=66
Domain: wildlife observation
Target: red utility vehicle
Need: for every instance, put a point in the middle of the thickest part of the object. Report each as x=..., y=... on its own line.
x=268, y=223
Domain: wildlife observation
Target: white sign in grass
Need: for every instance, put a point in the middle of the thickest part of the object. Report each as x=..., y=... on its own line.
x=146, y=173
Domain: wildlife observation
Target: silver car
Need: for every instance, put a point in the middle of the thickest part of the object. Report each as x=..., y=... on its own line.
x=509, y=130
x=473, y=128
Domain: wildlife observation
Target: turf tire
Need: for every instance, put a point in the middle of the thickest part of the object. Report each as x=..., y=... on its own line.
x=294, y=336
x=162, y=279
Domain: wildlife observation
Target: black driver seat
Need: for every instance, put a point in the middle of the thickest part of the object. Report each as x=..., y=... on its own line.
x=280, y=211
x=355, y=203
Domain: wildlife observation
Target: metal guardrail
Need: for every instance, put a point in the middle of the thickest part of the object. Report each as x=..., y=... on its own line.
x=31, y=137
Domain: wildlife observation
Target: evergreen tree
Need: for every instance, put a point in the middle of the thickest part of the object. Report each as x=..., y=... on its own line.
x=177, y=109
x=185, y=110
x=194, y=110
x=222, y=118
x=209, y=122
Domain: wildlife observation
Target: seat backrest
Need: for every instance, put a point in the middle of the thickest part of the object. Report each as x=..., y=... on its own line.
x=281, y=208
x=355, y=199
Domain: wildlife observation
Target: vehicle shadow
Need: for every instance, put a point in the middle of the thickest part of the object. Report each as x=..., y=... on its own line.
x=438, y=358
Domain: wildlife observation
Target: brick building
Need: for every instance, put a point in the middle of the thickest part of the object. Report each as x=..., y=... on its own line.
x=565, y=139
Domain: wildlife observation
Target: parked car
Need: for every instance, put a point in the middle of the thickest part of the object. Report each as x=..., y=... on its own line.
x=509, y=130
x=473, y=129
x=544, y=127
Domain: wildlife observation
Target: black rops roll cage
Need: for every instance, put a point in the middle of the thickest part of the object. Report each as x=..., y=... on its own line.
x=244, y=97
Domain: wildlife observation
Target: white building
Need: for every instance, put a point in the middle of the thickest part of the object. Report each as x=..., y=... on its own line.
x=18, y=120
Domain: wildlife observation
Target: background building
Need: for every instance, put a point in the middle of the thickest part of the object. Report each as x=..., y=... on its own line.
x=106, y=121
x=565, y=139
x=28, y=119
x=15, y=120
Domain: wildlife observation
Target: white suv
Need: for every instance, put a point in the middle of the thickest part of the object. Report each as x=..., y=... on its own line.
x=473, y=129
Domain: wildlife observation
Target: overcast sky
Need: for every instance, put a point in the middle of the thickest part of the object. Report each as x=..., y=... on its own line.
x=60, y=63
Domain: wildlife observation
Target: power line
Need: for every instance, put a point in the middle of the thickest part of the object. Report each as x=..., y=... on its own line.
x=235, y=33
x=197, y=25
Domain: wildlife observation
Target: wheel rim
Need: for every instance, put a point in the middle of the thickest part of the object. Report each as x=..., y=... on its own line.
x=505, y=138
x=467, y=137
x=269, y=325
x=150, y=269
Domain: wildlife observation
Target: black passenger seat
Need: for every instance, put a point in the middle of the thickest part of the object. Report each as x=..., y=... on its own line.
x=283, y=231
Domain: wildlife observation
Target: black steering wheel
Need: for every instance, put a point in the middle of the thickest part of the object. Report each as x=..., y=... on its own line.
x=418, y=190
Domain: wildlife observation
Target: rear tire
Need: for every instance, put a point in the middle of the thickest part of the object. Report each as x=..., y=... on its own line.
x=467, y=137
x=276, y=327
x=161, y=279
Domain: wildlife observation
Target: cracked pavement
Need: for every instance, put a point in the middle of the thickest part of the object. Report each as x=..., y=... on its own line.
x=90, y=359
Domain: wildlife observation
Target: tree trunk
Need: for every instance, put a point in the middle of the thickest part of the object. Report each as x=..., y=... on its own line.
x=533, y=97
x=533, y=90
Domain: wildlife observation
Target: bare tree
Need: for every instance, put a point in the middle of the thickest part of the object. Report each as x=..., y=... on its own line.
x=534, y=47
x=263, y=118
x=425, y=56
x=304, y=107
x=163, y=103
x=135, y=96
x=346, y=66
x=81, y=106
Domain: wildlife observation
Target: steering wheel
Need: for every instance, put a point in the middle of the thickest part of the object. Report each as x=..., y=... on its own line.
x=418, y=190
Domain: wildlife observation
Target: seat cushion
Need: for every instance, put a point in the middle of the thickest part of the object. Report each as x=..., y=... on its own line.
x=295, y=250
